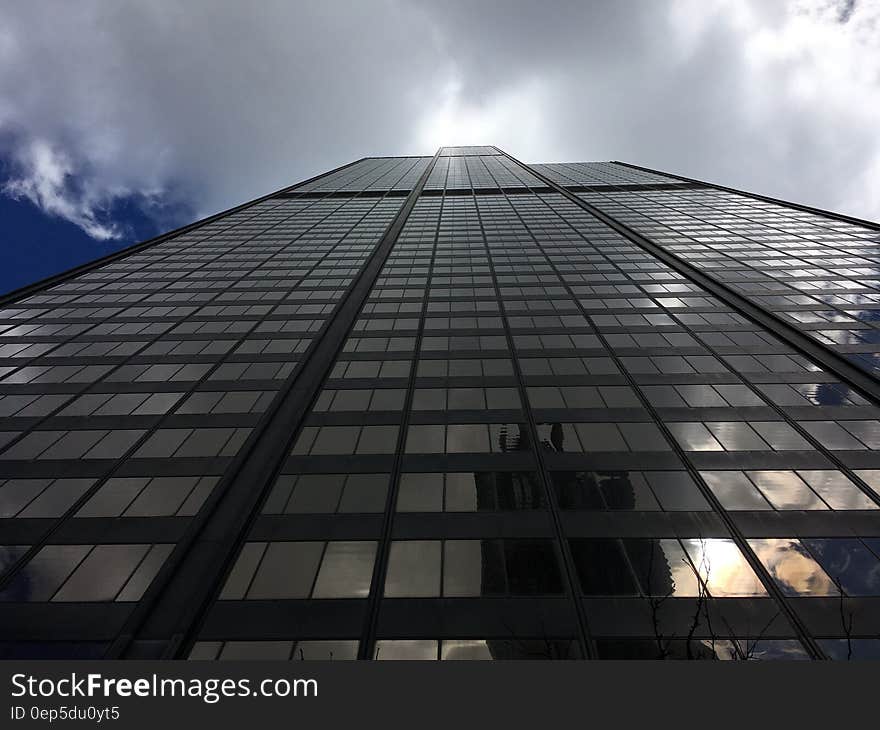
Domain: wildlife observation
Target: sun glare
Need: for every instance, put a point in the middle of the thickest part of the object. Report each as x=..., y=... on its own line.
x=454, y=122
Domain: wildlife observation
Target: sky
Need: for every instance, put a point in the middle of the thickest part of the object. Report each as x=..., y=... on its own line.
x=120, y=120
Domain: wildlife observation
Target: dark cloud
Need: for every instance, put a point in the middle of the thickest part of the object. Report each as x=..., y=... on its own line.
x=213, y=103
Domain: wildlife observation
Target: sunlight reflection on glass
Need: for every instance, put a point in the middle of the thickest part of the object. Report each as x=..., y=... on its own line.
x=417, y=649
x=796, y=573
x=836, y=489
x=455, y=649
x=723, y=568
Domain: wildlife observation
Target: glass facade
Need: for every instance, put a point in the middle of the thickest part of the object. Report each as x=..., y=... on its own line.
x=439, y=408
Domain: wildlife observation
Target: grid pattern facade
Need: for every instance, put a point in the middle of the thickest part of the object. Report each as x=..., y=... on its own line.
x=573, y=174
x=819, y=274
x=513, y=431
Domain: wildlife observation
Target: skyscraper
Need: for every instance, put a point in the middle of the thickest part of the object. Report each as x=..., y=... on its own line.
x=452, y=407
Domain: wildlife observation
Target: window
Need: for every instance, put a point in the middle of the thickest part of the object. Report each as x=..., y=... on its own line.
x=472, y=568
x=315, y=650
x=40, y=497
x=588, y=437
x=583, y=396
x=602, y=568
x=98, y=444
x=792, y=567
x=357, y=400
x=328, y=440
x=476, y=649
x=469, y=491
x=327, y=493
x=845, y=435
x=850, y=563
x=465, y=438
x=62, y=573
x=193, y=442
x=738, y=436
x=722, y=568
x=474, y=399
x=299, y=570
x=148, y=497
x=628, y=490
x=413, y=569
x=246, y=401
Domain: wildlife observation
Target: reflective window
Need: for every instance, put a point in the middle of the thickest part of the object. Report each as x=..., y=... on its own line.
x=327, y=493
x=792, y=567
x=722, y=567
x=472, y=568
x=469, y=491
x=290, y=570
x=63, y=573
x=628, y=490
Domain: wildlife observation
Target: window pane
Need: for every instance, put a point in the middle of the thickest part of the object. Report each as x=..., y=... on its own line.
x=102, y=574
x=316, y=493
x=44, y=573
x=734, y=490
x=364, y=493
x=722, y=567
x=532, y=567
x=785, y=490
x=792, y=567
x=413, y=569
x=694, y=437
x=420, y=493
x=325, y=650
x=602, y=568
x=662, y=568
x=346, y=570
x=836, y=489
x=467, y=438
x=419, y=649
x=473, y=568
x=676, y=490
x=425, y=439
x=287, y=570
x=377, y=440
x=335, y=440
x=848, y=563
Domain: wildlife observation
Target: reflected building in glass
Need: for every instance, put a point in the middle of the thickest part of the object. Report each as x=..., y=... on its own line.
x=452, y=407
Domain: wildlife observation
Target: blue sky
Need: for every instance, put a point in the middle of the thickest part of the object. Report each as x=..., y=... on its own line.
x=120, y=120
x=36, y=244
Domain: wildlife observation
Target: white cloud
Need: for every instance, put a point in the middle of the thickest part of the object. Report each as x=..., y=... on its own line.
x=453, y=117
x=201, y=103
x=45, y=180
x=205, y=104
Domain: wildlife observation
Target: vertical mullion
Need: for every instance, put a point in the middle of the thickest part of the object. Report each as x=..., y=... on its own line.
x=563, y=550
x=380, y=568
x=742, y=543
x=209, y=547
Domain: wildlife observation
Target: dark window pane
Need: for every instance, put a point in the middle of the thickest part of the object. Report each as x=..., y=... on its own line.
x=626, y=490
x=377, y=440
x=364, y=493
x=44, y=573
x=661, y=567
x=473, y=568
x=848, y=563
x=420, y=493
x=602, y=568
x=676, y=490
x=316, y=493
x=532, y=567
x=287, y=570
